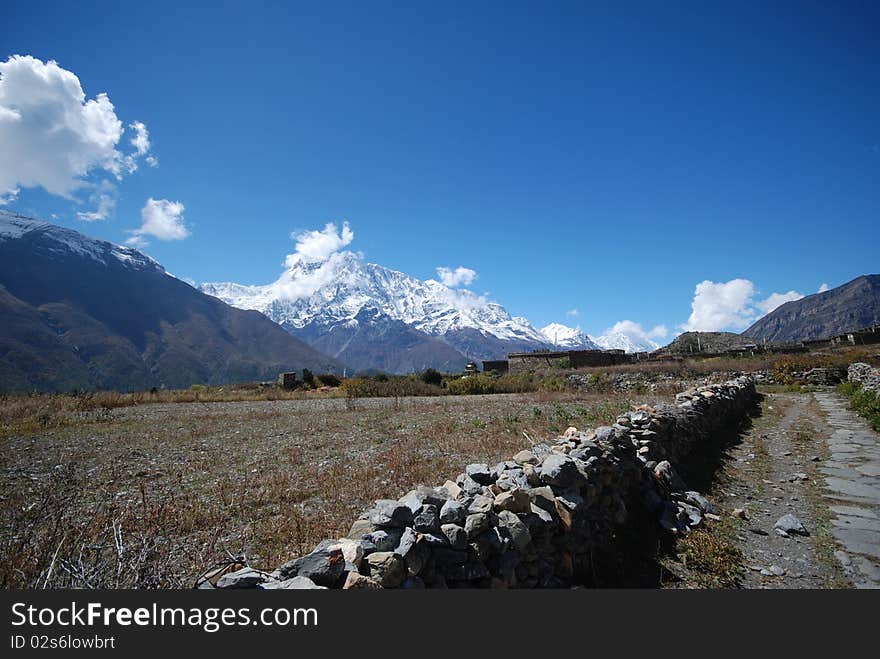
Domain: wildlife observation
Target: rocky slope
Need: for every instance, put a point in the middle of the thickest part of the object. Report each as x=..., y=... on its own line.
x=853, y=306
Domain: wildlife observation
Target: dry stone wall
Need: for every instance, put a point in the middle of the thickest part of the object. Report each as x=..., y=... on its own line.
x=556, y=514
x=866, y=375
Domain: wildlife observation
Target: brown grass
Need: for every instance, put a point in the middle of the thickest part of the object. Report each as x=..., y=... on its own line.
x=149, y=496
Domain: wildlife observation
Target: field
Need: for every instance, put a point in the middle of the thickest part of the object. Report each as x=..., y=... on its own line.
x=150, y=494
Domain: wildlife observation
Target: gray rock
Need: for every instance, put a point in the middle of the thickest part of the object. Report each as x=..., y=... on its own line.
x=422, y=495
x=389, y=513
x=481, y=473
x=480, y=504
x=525, y=457
x=382, y=540
x=294, y=583
x=701, y=502
x=453, y=512
x=323, y=567
x=428, y=520
x=515, y=528
x=512, y=479
x=515, y=500
x=790, y=524
x=559, y=469
x=689, y=514
x=408, y=540
x=244, y=578
x=456, y=535
x=476, y=524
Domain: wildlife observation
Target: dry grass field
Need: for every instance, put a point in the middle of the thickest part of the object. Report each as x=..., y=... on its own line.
x=149, y=494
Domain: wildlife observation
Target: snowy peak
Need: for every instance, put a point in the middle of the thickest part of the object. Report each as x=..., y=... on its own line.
x=57, y=240
x=572, y=338
x=568, y=338
x=338, y=288
x=621, y=341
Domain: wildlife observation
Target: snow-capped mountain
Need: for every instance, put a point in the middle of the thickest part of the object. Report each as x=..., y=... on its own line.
x=621, y=341
x=572, y=338
x=346, y=296
x=568, y=338
x=62, y=241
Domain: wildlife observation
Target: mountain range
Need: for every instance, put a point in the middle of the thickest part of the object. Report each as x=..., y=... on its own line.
x=79, y=313
x=373, y=318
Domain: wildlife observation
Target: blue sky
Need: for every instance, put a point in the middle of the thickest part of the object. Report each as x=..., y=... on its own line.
x=575, y=155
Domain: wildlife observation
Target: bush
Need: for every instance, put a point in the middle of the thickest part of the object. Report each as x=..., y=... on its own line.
x=431, y=376
x=328, y=380
x=308, y=378
x=471, y=385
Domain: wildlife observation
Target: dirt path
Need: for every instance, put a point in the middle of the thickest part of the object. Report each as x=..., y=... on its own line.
x=773, y=474
x=852, y=479
x=770, y=471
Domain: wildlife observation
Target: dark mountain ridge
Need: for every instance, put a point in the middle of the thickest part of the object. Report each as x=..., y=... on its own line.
x=79, y=313
x=852, y=306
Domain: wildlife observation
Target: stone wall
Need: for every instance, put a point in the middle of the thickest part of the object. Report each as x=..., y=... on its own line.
x=519, y=362
x=866, y=375
x=557, y=514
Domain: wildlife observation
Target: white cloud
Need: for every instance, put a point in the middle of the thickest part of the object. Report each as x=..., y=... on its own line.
x=777, y=299
x=574, y=313
x=297, y=284
x=823, y=288
x=319, y=245
x=52, y=136
x=718, y=306
x=106, y=204
x=162, y=219
x=141, y=144
x=9, y=196
x=730, y=305
x=461, y=276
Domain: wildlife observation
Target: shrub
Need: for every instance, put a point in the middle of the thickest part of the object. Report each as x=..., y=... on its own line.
x=328, y=380
x=431, y=376
x=866, y=403
x=308, y=378
x=471, y=385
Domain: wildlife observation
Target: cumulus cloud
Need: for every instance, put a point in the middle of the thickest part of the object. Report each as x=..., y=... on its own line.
x=823, y=288
x=777, y=299
x=461, y=276
x=731, y=305
x=161, y=219
x=53, y=136
x=718, y=306
x=573, y=313
x=318, y=245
